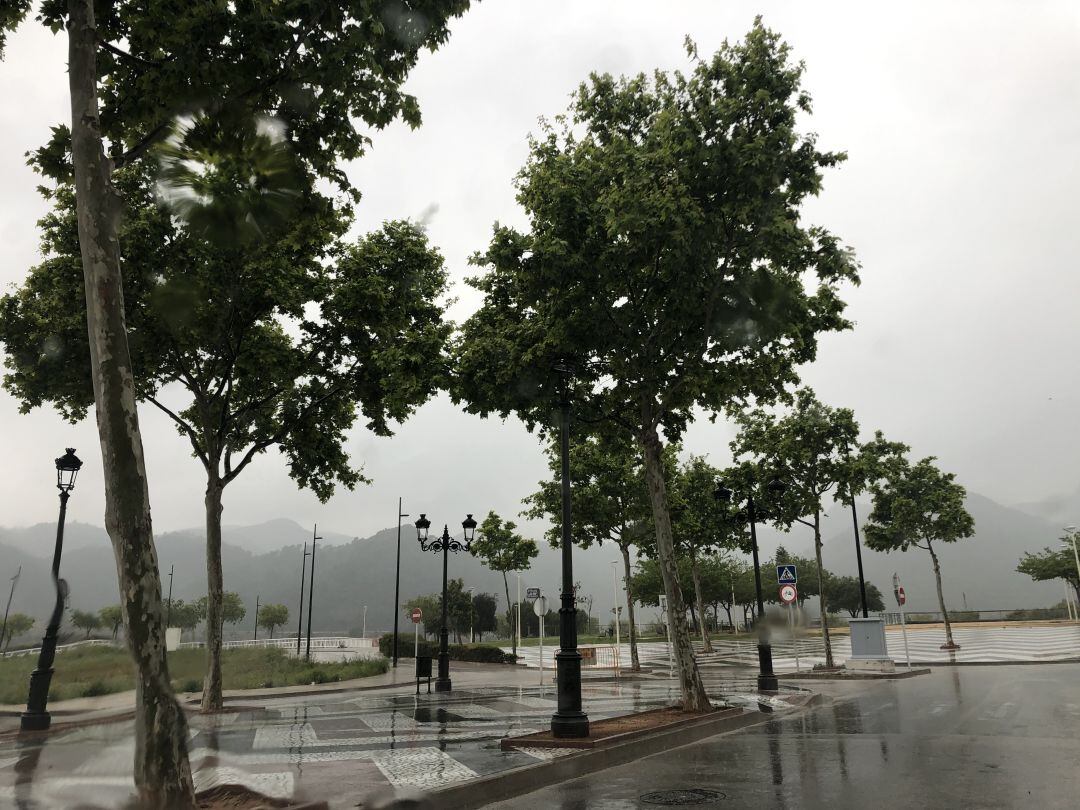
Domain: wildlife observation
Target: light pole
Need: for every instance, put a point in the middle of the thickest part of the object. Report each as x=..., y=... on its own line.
x=767, y=681
x=858, y=557
x=364, y=632
x=569, y=721
x=445, y=544
x=36, y=717
x=1072, y=532
x=517, y=613
x=615, y=582
x=11, y=593
x=397, y=580
x=168, y=610
x=256, y=636
x=311, y=590
x=300, y=621
x=472, y=615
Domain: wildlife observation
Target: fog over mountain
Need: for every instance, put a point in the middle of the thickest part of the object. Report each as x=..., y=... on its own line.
x=264, y=561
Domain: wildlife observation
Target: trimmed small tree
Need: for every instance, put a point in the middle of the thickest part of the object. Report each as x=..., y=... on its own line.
x=499, y=548
x=85, y=620
x=918, y=505
x=843, y=594
x=272, y=616
x=1050, y=564
x=113, y=617
x=18, y=624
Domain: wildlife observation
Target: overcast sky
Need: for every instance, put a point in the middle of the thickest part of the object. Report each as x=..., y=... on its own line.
x=962, y=122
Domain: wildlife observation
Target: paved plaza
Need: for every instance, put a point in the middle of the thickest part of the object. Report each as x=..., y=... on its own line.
x=1001, y=737
x=989, y=644
x=338, y=748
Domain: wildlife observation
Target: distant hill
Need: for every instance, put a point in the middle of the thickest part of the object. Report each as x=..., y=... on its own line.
x=1060, y=510
x=264, y=561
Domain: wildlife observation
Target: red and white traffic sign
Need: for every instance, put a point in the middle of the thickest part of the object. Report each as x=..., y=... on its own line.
x=901, y=597
x=788, y=594
x=416, y=615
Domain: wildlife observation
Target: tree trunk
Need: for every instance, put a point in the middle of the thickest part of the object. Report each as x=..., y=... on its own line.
x=162, y=772
x=822, y=601
x=212, y=700
x=730, y=620
x=694, y=698
x=940, y=597
x=510, y=615
x=635, y=661
x=706, y=645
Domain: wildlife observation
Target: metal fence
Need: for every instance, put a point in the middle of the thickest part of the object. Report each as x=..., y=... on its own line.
x=90, y=642
x=317, y=643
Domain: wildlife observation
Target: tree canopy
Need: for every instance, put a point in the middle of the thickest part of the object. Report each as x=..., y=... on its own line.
x=1050, y=564
x=85, y=620
x=273, y=616
x=18, y=624
x=112, y=616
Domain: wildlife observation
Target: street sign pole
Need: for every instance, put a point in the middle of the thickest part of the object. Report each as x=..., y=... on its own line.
x=794, y=640
x=901, y=598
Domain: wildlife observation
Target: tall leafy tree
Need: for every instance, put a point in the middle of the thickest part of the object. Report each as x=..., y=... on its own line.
x=608, y=503
x=700, y=526
x=501, y=549
x=484, y=609
x=809, y=448
x=665, y=261
x=208, y=321
x=919, y=505
x=272, y=616
x=319, y=66
x=1051, y=564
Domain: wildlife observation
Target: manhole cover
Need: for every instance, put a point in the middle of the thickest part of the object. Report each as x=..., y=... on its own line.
x=675, y=798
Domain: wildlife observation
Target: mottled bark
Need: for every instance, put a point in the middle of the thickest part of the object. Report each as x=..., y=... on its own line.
x=822, y=601
x=635, y=662
x=694, y=698
x=940, y=596
x=706, y=645
x=162, y=773
x=212, y=700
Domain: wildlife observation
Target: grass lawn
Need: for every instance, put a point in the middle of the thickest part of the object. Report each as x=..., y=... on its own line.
x=90, y=671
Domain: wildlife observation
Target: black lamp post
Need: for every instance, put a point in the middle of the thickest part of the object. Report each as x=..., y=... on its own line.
x=767, y=681
x=397, y=583
x=36, y=717
x=569, y=720
x=445, y=544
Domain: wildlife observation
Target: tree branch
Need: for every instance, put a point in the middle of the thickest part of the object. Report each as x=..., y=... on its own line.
x=193, y=437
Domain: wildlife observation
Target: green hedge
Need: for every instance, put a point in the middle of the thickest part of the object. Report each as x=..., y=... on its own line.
x=477, y=653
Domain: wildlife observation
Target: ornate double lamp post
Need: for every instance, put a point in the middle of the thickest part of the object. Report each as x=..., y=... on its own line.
x=445, y=544
x=766, y=677
x=36, y=717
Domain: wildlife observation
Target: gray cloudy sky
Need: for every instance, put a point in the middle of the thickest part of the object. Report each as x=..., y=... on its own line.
x=962, y=122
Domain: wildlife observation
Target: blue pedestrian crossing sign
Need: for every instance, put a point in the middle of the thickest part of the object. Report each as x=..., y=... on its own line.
x=785, y=575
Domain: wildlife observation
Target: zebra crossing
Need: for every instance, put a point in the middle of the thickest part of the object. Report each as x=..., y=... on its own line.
x=999, y=644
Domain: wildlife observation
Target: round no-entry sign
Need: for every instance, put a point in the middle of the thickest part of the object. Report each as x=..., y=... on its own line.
x=416, y=615
x=788, y=594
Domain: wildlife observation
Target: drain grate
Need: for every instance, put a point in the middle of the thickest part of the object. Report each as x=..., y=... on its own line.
x=676, y=798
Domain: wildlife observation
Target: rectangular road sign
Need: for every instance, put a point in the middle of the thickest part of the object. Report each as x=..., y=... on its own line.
x=786, y=575
x=532, y=593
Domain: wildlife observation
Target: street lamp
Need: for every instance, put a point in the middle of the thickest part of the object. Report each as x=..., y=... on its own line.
x=445, y=544
x=767, y=681
x=397, y=581
x=1072, y=532
x=36, y=717
x=569, y=721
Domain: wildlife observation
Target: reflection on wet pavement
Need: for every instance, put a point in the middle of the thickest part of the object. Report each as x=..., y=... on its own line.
x=334, y=747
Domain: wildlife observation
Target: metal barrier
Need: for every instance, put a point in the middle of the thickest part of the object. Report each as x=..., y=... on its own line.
x=594, y=658
x=89, y=642
x=317, y=643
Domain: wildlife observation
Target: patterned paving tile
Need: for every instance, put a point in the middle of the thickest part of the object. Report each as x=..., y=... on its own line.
x=421, y=768
x=275, y=785
x=547, y=753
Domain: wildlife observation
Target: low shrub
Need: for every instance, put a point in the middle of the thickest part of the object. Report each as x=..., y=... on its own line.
x=95, y=689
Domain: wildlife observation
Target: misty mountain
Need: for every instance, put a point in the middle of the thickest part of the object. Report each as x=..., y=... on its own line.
x=1060, y=510
x=978, y=572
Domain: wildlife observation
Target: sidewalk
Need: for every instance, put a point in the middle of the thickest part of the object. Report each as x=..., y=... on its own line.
x=338, y=747
x=121, y=705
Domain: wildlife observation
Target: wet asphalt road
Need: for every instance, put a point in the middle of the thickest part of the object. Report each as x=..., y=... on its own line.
x=961, y=737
